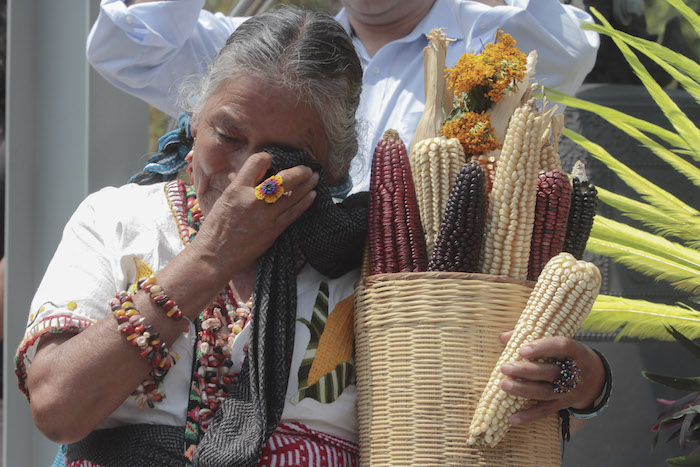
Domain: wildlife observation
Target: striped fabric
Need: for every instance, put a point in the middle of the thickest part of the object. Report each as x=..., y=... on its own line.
x=295, y=445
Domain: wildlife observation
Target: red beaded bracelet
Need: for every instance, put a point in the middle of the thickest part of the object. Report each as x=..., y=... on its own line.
x=159, y=298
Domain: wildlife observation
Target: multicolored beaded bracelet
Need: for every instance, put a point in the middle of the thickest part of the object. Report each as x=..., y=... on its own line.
x=159, y=298
x=132, y=325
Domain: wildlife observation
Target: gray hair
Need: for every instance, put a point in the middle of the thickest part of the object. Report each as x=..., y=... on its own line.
x=306, y=52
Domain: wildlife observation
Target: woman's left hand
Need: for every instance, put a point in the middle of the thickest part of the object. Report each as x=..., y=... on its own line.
x=534, y=380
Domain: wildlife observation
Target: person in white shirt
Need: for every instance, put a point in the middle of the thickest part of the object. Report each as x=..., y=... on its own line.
x=149, y=48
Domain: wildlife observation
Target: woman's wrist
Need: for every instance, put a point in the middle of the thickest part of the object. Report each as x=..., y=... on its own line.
x=600, y=402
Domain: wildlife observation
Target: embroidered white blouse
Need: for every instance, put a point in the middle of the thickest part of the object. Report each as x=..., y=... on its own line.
x=95, y=260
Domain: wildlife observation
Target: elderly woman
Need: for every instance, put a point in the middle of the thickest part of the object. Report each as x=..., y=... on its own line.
x=216, y=294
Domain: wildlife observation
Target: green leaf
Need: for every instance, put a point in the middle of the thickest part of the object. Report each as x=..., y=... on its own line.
x=690, y=15
x=685, y=168
x=654, y=195
x=684, y=460
x=614, y=117
x=641, y=319
x=683, y=125
x=686, y=228
x=649, y=254
x=689, y=345
x=671, y=253
x=667, y=59
x=673, y=382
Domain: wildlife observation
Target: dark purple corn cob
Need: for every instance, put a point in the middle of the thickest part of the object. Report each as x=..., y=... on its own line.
x=461, y=234
x=584, y=202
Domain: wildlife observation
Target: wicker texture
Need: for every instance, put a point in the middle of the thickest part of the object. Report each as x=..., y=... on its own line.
x=425, y=346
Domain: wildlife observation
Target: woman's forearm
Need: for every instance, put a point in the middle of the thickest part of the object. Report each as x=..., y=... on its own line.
x=77, y=381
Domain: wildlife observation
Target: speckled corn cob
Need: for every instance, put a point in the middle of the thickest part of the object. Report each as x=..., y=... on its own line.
x=462, y=229
x=435, y=163
x=558, y=305
x=511, y=211
x=584, y=203
x=551, y=217
x=488, y=161
x=396, y=242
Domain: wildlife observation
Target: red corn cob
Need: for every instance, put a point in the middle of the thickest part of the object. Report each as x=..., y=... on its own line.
x=461, y=233
x=396, y=242
x=551, y=218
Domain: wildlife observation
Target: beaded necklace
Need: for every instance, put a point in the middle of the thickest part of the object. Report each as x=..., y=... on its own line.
x=213, y=367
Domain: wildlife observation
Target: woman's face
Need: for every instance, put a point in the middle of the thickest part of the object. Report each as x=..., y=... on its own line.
x=239, y=119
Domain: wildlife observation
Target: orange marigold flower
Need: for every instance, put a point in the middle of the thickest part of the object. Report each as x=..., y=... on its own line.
x=480, y=80
x=469, y=71
x=473, y=130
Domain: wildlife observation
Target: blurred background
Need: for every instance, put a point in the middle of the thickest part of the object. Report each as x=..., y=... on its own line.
x=68, y=133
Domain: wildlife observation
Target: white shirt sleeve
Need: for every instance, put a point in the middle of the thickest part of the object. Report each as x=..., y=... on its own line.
x=150, y=49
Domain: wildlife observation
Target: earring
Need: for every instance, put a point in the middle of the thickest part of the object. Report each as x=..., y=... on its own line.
x=188, y=169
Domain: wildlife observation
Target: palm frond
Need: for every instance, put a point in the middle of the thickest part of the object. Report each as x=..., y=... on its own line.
x=683, y=125
x=649, y=254
x=614, y=117
x=685, y=228
x=687, y=12
x=641, y=319
x=608, y=229
x=681, y=68
x=688, y=169
x=649, y=191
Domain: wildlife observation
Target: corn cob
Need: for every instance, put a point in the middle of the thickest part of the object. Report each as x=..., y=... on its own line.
x=435, y=163
x=561, y=300
x=462, y=229
x=511, y=212
x=551, y=217
x=488, y=162
x=550, y=158
x=395, y=234
x=584, y=202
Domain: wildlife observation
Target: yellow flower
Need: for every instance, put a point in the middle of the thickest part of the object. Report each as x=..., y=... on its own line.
x=473, y=130
x=72, y=305
x=480, y=80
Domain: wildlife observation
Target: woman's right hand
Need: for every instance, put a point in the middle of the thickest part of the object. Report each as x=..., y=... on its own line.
x=239, y=227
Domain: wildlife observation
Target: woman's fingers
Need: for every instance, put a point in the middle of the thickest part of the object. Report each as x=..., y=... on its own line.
x=253, y=170
x=505, y=337
x=532, y=371
x=536, y=412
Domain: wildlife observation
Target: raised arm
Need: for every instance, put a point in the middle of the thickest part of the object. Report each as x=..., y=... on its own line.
x=148, y=48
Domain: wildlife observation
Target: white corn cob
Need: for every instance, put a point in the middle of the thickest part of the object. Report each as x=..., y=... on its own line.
x=550, y=150
x=435, y=163
x=511, y=211
x=550, y=158
x=558, y=305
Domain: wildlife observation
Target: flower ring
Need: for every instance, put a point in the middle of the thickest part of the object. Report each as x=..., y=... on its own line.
x=569, y=375
x=270, y=190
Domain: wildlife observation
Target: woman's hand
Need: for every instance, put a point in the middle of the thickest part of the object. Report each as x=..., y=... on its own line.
x=534, y=380
x=240, y=227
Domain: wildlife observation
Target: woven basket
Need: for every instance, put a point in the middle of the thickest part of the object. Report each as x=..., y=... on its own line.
x=425, y=346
